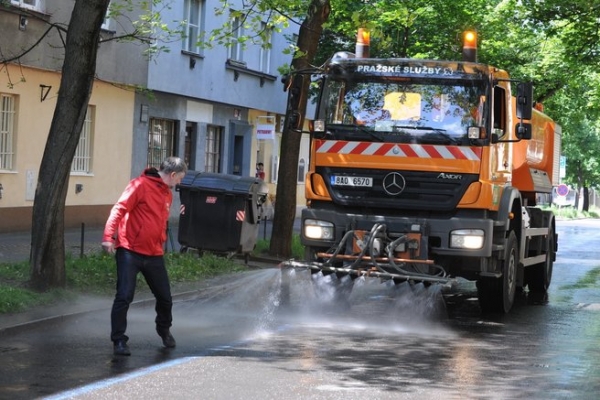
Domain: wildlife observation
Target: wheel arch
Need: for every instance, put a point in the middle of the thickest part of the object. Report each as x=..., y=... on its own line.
x=511, y=203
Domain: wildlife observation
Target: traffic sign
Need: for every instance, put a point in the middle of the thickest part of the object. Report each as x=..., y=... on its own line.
x=562, y=190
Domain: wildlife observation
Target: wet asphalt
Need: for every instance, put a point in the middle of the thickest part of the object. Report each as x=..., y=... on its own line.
x=235, y=341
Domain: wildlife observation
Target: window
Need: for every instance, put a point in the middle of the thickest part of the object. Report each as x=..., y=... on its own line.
x=265, y=49
x=7, y=114
x=499, y=111
x=82, y=162
x=214, y=135
x=192, y=15
x=237, y=31
x=160, y=141
x=36, y=5
x=274, y=168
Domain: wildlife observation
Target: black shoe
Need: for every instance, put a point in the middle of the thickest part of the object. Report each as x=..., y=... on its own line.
x=121, y=349
x=167, y=338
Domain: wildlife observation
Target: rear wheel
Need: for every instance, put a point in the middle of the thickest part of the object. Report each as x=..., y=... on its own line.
x=540, y=275
x=498, y=294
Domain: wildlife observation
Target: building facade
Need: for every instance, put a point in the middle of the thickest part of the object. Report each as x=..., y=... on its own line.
x=203, y=104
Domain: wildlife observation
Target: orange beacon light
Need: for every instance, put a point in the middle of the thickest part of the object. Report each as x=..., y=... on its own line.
x=363, y=43
x=470, y=46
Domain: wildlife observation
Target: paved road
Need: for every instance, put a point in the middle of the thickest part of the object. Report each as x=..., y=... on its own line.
x=235, y=342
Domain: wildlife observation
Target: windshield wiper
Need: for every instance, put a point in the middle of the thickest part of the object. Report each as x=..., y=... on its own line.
x=419, y=128
x=440, y=137
x=356, y=128
x=434, y=136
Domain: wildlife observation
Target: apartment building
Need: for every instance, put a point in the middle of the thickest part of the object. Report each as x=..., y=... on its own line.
x=202, y=104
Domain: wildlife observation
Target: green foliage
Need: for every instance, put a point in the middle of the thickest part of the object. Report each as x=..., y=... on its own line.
x=96, y=274
x=15, y=272
x=16, y=299
x=262, y=247
x=573, y=213
x=190, y=267
x=253, y=23
x=589, y=280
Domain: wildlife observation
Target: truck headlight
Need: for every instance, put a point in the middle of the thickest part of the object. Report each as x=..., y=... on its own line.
x=315, y=229
x=467, y=239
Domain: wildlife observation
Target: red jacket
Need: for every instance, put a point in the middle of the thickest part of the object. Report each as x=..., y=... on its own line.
x=138, y=221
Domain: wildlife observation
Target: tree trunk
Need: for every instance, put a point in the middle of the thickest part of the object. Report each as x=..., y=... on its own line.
x=47, y=259
x=283, y=220
x=586, y=199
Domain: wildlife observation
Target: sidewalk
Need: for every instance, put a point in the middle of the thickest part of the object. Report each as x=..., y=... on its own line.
x=15, y=247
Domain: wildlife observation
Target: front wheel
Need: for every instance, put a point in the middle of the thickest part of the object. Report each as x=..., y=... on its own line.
x=498, y=294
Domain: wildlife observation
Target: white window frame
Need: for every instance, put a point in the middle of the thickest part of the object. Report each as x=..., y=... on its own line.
x=82, y=161
x=236, y=51
x=7, y=131
x=274, y=168
x=107, y=20
x=35, y=5
x=192, y=15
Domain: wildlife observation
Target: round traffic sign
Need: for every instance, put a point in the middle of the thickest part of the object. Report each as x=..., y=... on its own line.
x=562, y=189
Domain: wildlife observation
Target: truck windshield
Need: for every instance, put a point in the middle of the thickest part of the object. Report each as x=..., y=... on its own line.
x=403, y=112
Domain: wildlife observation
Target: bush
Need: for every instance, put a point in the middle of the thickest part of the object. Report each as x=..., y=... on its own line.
x=573, y=213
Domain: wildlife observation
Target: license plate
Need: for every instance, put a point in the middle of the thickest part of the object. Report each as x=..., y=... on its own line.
x=357, y=181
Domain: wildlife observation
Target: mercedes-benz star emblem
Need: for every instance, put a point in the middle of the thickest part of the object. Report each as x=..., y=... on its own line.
x=394, y=184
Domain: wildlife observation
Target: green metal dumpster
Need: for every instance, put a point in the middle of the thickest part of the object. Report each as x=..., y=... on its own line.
x=222, y=212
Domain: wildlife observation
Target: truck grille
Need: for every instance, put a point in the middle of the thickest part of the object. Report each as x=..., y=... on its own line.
x=433, y=191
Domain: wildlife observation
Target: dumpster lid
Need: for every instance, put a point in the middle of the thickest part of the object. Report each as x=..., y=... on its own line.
x=221, y=182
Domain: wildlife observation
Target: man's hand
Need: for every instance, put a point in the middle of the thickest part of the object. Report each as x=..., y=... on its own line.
x=108, y=247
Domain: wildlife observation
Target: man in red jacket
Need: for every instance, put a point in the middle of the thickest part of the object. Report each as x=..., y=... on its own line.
x=136, y=231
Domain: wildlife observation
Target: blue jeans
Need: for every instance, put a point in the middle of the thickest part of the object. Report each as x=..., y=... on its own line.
x=129, y=264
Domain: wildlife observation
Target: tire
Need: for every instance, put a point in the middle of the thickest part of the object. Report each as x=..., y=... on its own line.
x=539, y=275
x=497, y=295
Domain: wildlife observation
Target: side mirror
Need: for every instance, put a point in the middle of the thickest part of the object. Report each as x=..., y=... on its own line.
x=523, y=131
x=524, y=100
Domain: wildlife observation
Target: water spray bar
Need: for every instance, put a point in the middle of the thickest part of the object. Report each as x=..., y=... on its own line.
x=365, y=272
x=369, y=258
